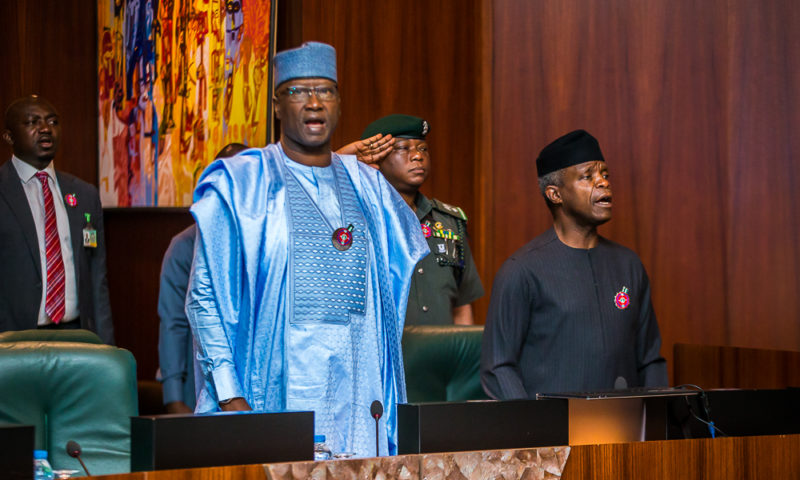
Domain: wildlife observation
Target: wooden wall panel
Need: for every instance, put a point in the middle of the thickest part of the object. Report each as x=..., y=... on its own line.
x=137, y=239
x=48, y=48
x=763, y=234
x=735, y=367
x=692, y=104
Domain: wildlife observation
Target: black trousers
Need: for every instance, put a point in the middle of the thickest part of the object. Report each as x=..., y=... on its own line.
x=71, y=325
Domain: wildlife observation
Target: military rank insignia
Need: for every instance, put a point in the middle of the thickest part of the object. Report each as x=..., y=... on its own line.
x=621, y=299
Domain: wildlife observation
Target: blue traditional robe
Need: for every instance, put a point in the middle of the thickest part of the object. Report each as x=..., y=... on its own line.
x=258, y=331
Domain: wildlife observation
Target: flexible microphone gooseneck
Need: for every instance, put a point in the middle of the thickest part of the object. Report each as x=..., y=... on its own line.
x=74, y=451
x=712, y=427
x=376, y=410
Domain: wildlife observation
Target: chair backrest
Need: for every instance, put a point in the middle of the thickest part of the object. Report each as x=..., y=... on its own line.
x=442, y=363
x=71, y=391
x=84, y=336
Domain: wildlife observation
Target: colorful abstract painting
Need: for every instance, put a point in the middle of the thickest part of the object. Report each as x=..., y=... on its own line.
x=178, y=80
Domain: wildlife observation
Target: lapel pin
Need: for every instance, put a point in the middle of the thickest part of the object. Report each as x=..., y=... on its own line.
x=426, y=230
x=343, y=238
x=621, y=299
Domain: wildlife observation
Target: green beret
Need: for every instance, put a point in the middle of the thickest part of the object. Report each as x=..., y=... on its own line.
x=398, y=126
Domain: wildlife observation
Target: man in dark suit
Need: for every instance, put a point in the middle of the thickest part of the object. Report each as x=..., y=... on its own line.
x=52, y=246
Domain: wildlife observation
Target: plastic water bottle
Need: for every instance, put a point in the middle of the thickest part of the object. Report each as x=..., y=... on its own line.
x=321, y=449
x=41, y=467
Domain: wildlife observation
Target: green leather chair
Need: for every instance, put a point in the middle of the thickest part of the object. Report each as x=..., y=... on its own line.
x=70, y=387
x=83, y=336
x=442, y=363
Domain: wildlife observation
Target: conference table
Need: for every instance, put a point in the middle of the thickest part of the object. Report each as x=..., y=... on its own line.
x=773, y=456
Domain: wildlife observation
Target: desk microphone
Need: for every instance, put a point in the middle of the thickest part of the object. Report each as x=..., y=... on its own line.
x=376, y=410
x=74, y=451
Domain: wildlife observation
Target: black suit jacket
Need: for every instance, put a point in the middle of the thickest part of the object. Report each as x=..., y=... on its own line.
x=20, y=263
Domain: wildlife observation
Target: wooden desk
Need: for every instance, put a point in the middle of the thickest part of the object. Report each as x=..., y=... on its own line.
x=702, y=459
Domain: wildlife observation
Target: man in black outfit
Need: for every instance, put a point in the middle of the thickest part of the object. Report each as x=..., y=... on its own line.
x=571, y=311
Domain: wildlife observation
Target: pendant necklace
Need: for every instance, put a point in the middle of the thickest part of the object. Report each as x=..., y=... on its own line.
x=342, y=238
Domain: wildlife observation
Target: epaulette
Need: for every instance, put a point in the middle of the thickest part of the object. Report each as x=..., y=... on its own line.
x=449, y=209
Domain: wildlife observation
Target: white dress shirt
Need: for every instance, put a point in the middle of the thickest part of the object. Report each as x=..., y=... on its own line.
x=33, y=191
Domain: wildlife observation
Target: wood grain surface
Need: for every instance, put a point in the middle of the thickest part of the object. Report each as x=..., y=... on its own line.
x=703, y=459
x=735, y=367
x=49, y=48
x=694, y=104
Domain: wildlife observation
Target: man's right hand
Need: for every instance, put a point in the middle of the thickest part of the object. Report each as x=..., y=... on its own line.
x=370, y=150
x=237, y=404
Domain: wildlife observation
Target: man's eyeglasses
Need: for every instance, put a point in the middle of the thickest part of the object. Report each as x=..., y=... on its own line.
x=302, y=94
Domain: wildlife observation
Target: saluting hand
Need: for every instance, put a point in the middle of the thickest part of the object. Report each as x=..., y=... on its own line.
x=370, y=150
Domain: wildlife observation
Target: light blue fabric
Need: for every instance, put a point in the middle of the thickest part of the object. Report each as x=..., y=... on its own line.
x=310, y=60
x=239, y=289
x=327, y=313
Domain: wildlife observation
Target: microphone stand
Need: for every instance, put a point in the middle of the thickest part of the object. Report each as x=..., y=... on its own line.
x=377, y=435
x=376, y=410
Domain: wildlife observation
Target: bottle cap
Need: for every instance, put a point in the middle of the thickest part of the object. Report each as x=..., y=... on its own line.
x=319, y=438
x=40, y=454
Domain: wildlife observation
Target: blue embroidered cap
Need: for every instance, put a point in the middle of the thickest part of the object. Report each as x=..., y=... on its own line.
x=310, y=60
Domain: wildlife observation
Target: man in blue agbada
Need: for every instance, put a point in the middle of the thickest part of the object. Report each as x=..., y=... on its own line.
x=301, y=271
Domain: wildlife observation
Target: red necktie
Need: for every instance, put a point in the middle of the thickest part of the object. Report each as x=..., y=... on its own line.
x=54, y=303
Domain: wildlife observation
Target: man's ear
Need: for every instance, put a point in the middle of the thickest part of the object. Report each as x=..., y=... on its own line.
x=553, y=194
x=7, y=137
x=277, y=107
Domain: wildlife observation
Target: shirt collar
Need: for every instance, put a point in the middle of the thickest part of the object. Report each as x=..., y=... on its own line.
x=424, y=206
x=26, y=171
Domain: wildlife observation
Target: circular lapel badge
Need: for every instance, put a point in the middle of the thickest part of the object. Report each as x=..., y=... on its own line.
x=621, y=299
x=342, y=238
